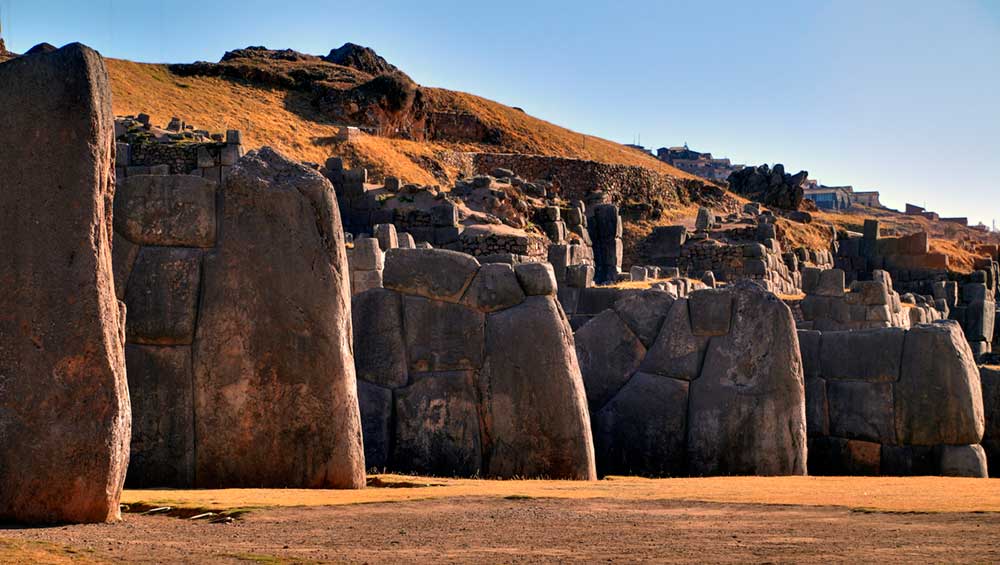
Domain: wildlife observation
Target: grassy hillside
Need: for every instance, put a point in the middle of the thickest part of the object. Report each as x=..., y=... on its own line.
x=287, y=120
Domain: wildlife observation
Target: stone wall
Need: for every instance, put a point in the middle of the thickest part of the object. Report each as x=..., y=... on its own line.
x=576, y=178
x=707, y=385
x=907, y=258
x=139, y=153
x=990, y=378
x=893, y=402
x=828, y=306
x=468, y=370
x=230, y=385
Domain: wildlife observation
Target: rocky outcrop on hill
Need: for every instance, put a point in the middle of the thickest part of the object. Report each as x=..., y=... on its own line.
x=362, y=58
x=64, y=402
x=261, y=52
x=4, y=54
x=353, y=85
x=772, y=187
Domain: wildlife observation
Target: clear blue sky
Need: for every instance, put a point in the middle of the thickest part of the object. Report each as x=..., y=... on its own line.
x=900, y=96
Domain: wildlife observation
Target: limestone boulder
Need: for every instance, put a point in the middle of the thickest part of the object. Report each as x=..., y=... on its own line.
x=746, y=413
x=160, y=382
x=864, y=355
x=677, y=352
x=644, y=313
x=643, y=429
x=168, y=210
x=990, y=377
x=963, y=461
x=438, y=274
x=535, y=417
x=495, y=287
x=711, y=312
x=442, y=336
x=162, y=297
x=537, y=279
x=64, y=405
x=379, y=348
x=608, y=353
x=437, y=426
x=376, y=407
x=860, y=410
x=938, y=399
x=275, y=392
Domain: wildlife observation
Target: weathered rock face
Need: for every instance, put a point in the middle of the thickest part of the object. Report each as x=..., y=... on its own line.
x=990, y=377
x=274, y=385
x=893, y=402
x=469, y=370
x=747, y=409
x=772, y=187
x=940, y=400
x=723, y=395
x=64, y=406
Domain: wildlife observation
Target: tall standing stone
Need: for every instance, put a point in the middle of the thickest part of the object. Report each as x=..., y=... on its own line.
x=747, y=409
x=64, y=407
x=275, y=392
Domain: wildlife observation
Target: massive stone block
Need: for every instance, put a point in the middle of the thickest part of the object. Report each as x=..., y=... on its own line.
x=497, y=394
x=160, y=379
x=866, y=355
x=171, y=210
x=376, y=407
x=64, y=406
x=432, y=273
x=379, y=349
x=860, y=410
x=608, y=354
x=441, y=336
x=643, y=429
x=534, y=404
x=644, y=313
x=747, y=409
x=162, y=297
x=275, y=393
x=437, y=426
x=990, y=377
x=677, y=352
x=938, y=399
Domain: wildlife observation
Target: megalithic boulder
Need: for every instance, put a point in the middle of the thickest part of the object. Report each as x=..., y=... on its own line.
x=65, y=419
x=276, y=402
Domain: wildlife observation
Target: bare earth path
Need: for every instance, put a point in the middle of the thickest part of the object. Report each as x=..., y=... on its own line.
x=625, y=520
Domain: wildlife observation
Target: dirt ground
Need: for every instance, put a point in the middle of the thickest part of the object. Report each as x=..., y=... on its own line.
x=623, y=520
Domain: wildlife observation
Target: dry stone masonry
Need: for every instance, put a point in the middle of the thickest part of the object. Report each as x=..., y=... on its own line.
x=64, y=401
x=239, y=335
x=469, y=370
x=706, y=385
x=892, y=401
x=828, y=306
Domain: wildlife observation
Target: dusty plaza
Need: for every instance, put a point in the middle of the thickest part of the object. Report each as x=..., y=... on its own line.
x=418, y=520
x=290, y=305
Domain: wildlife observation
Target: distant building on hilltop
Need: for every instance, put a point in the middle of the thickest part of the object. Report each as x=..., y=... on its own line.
x=698, y=164
x=840, y=197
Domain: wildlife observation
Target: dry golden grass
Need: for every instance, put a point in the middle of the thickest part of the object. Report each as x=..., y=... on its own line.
x=287, y=121
x=42, y=553
x=889, y=494
x=282, y=119
x=526, y=134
